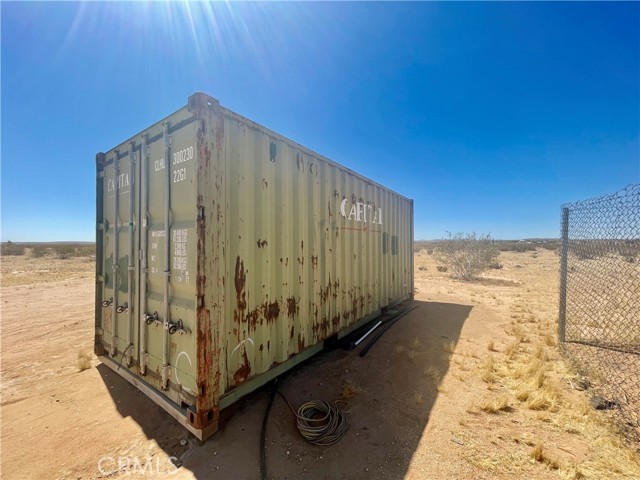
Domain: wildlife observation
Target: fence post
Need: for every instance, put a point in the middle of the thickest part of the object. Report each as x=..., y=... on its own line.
x=564, y=251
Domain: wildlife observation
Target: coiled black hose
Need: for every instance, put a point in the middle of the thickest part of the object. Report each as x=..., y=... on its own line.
x=317, y=421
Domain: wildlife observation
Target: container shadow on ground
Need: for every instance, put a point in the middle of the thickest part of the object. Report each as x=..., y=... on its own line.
x=394, y=388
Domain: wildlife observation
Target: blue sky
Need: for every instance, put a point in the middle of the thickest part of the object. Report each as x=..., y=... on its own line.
x=488, y=115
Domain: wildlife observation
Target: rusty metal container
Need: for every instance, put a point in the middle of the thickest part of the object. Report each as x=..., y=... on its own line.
x=227, y=254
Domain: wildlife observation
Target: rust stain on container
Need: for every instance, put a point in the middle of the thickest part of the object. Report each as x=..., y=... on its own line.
x=271, y=311
x=239, y=280
x=243, y=372
x=292, y=307
x=252, y=319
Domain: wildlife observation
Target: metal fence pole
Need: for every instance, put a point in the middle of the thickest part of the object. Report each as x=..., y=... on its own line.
x=564, y=250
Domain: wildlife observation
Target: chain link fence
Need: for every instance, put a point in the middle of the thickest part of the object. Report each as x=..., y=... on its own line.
x=599, y=321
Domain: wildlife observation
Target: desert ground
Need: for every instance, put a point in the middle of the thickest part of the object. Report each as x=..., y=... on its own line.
x=469, y=385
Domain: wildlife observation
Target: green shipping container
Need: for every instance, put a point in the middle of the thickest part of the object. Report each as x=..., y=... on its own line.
x=227, y=254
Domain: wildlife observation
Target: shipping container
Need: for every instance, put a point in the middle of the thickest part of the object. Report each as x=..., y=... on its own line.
x=227, y=254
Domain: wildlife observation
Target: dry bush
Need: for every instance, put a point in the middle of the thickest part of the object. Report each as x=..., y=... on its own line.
x=512, y=349
x=549, y=340
x=495, y=405
x=538, y=454
x=518, y=333
x=532, y=371
x=488, y=370
x=467, y=255
x=541, y=353
x=348, y=390
x=449, y=347
x=84, y=360
x=412, y=355
x=544, y=399
x=432, y=373
x=39, y=251
x=10, y=248
x=413, y=352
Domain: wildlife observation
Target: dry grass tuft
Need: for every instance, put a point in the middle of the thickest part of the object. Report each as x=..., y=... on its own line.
x=542, y=400
x=412, y=355
x=449, y=347
x=488, y=370
x=432, y=373
x=84, y=360
x=533, y=370
x=348, y=390
x=462, y=363
x=523, y=393
x=538, y=454
x=549, y=340
x=512, y=349
x=541, y=353
x=495, y=405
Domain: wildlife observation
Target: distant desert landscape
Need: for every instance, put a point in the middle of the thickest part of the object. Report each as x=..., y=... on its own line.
x=470, y=385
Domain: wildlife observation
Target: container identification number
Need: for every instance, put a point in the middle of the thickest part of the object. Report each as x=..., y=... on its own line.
x=183, y=155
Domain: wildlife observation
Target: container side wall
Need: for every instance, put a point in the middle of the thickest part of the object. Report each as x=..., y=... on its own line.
x=311, y=248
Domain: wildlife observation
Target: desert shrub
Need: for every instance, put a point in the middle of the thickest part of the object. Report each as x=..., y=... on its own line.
x=441, y=268
x=467, y=255
x=550, y=245
x=39, y=251
x=84, y=360
x=86, y=250
x=418, y=246
x=64, y=251
x=516, y=246
x=11, y=248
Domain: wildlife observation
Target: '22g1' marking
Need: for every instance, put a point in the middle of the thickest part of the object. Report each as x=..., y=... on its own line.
x=178, y=157
x=179, y=175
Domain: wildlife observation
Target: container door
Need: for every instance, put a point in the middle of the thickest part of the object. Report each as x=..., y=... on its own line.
x=146, y=262
x=167, y=260
x=116, y=256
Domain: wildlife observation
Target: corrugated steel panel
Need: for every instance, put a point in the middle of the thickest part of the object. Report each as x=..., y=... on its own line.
x=272, y=249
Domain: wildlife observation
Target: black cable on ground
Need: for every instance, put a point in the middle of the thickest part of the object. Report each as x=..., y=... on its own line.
x=318, y=422
x=263, y=432
x=383, y=328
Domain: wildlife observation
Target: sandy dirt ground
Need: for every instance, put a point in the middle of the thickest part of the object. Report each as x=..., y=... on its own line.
x=467, y=386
